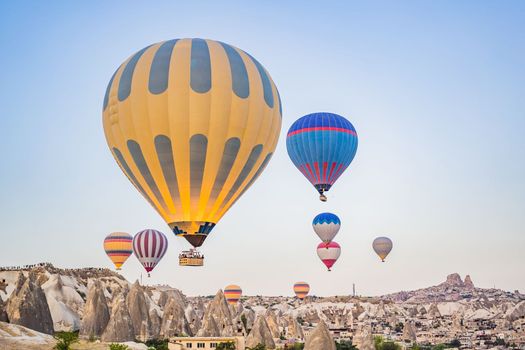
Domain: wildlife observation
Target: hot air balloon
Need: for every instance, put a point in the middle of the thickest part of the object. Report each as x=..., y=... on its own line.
x=149, y=247
x=326, y=225
x=118, y=246
x=301, y=289
x=382, y=246
x=192, y=123
x=232, y=293
x=322, y=146
x=329, y=253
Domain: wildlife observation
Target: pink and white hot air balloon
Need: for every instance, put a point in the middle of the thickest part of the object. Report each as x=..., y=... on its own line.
x=329, y=253
x=149, y=247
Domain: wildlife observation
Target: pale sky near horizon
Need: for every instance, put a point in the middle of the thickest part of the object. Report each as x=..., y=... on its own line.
x=435, y=91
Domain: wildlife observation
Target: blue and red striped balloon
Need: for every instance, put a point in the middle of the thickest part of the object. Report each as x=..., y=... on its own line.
x=322, y=146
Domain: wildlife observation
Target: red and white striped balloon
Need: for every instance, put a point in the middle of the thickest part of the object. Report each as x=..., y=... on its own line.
x=329, y=253
x=149, y=246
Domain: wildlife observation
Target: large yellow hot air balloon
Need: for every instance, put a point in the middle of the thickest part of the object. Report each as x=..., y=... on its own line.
x=192, y=123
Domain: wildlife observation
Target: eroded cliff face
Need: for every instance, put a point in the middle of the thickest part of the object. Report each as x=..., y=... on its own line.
x=219, y=311
x=174, y=322
x=260, y=334
x=96, y=312
x=320, y=338
x=105, y=306
x=120, y=325
x=139, y=312
x=27, y=305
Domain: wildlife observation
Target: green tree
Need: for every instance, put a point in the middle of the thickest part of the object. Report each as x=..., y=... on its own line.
x=157, y=344
x=439, y=347
x=380, y=344
x=456, y=343
x=499, y=341
x=345, y=345
x=257, y=347
x=226, y=346
x=116, y=346
x=390, y=345
x=65, y=339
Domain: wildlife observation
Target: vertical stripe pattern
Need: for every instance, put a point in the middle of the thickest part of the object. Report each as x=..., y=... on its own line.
x=149, y=246
x=192, y=123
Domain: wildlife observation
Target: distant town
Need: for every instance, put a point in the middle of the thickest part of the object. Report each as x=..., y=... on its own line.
x=104, y=308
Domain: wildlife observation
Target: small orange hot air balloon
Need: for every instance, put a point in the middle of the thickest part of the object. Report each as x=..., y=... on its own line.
x=301, y=289
x=232, y=293
x=118, y=246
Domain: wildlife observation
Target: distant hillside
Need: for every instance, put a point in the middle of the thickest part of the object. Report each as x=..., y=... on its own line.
x=100, y=303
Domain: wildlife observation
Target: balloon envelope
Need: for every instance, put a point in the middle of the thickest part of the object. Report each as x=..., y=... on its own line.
x=192, y=123
x=322, y=146
x=382, y=246
x=301, y=289
x=118, y=246
x=326, y=225
x=232, y=293
x=149, y=246
x=329, y=253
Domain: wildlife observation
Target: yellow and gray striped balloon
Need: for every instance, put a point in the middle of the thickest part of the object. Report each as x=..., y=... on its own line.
x=192, y=123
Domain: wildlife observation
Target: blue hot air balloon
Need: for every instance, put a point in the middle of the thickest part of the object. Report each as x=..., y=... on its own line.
x=326, y=225
x=322, y=146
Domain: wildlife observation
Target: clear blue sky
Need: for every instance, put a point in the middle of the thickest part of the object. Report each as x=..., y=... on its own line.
x=435, y=90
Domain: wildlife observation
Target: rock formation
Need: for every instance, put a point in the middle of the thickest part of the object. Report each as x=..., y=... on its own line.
x=174, y=322
x=364, y=340
x=409, y=332
x=273, y=325
x=468, y=282
x=209, y=328
x=249, y=316
x=96, y=312
x=454, y=280
x=120, y=325
x=193, y=318
x=27, y=305
x=422, y=310
x=155, y=323
x=260, y=334
x=293, y=328
x=358, y=310
x=139, y=312
x=3, y=313
x=320, y=338
x=516, y=312
x=64, y=304
x=166, y=295
x=457, y=322
x=433, y=311
x=218, y=310
x=380, y=311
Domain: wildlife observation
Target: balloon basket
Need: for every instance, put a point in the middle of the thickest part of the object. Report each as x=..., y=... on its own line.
x=191, y=257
